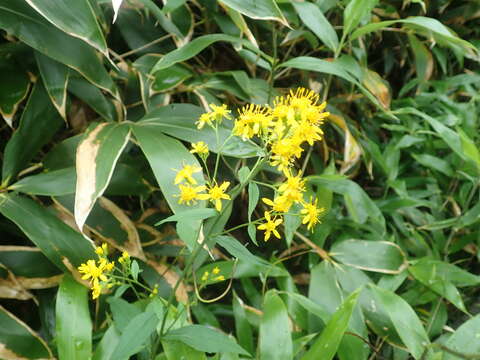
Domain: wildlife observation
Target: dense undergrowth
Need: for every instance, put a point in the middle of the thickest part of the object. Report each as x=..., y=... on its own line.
x=239, y=179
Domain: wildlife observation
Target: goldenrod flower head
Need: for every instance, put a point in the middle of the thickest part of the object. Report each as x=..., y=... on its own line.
x=270, y=226
x=186, y=173
x=102, y=250
x=199, y=148
x=109, y=267
x=307, y=132
x=215, y=194
x=252, y=120
x=220, y=112
x=96, y=290
x=189, y=194
x=311, y=213
x=96, y=273
x=303, y=98
x=91, y=270
x=284, y=152
x=216, y=270
x=293, y=188
x=280, y=204
x=205, y=118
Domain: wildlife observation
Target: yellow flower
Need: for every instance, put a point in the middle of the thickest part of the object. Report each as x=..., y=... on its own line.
x=205, y=276
x=186, y=173
x=95, y=273
x=92, y=271
x=96, y=290
x=308, y=132
x=205, y=118
x=110, y=266
x=102, y=250
x=215, y=194
x=215, y=270
x=284, y=152
x=280, y=204
x=252, y=120
x=311, y=213
x=270, y=226
x=189, y=193
x=219, y=278
x=199, y=148
x=219, y=112
x=293, y=188
x=124, y=258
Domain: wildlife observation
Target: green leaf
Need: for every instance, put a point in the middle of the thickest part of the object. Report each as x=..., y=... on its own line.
x=94, y=97
x=275, y=338
x=39, y=122
x=123, y=312
x=52, y=183
x=243, y=329
x=314, y=19
x=371, y=27
x=194, y=47
x=423, y=58
x=13, y=90
x=166, y=156
x=27, y=262
x=359, y=204
x=204, y=338
x=465, y=339
x=73, y=324
x=469, y=148
x=378, y=256
x=178, y=120
x=441, y=277
x=19, y=19
x=57, y=240
x=193, y=214
x=406, y=322
x=328, y=342
x=76, y=19
x=107, y=345
x=18, y=341
x=177, y=350
x=423, y=25
x=312, y=307
x=354, y=12
x=257, y=9
x=55, y=80
x=97, y=155
x=318, y=65
x=135, y=336
x=434, y=163
x=235, y=248
x=170, y=78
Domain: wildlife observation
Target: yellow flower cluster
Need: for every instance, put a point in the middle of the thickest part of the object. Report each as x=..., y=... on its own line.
x=97, y=271
x=293, y=120
x=213, y=276
x=190, y=193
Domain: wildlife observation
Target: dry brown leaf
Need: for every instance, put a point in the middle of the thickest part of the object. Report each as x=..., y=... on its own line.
x=377, y=86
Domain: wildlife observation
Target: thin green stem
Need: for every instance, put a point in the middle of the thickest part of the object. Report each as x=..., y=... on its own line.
x=199, y=245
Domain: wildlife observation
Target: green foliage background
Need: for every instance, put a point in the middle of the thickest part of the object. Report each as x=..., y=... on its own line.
x=391, y=273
